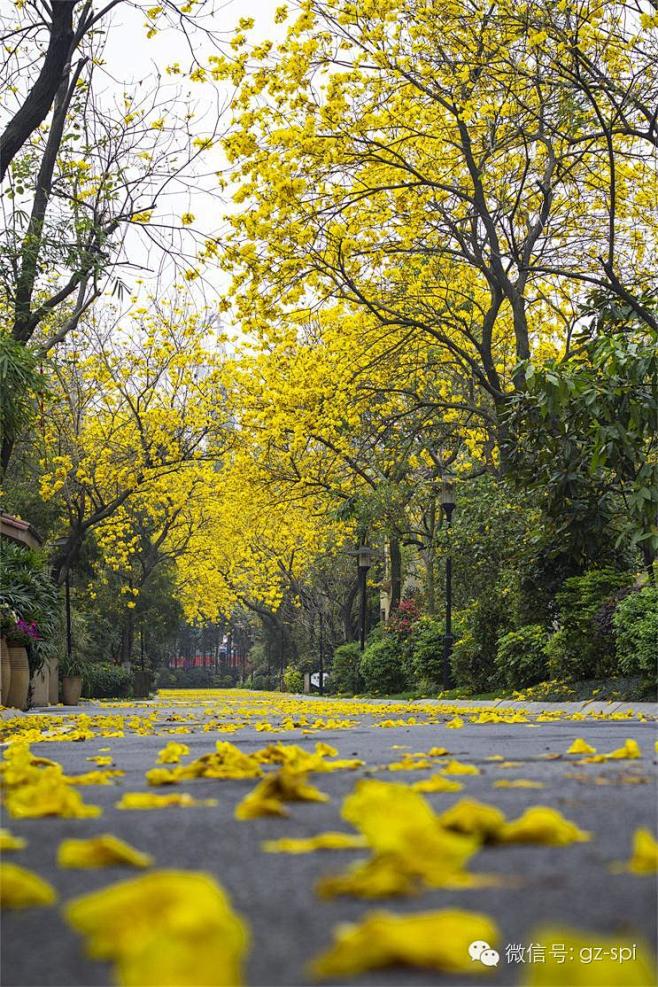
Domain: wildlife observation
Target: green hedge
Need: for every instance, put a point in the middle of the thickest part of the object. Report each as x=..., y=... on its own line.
x=635, y=624
x=103, y=680
x=382, y=667
x=345, y=673
x=521, y=656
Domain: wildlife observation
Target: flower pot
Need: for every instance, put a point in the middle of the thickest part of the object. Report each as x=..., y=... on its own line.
x=71, y=689
x=40, y=683
x=5, y=672
x=20, y=677
x=53, y=685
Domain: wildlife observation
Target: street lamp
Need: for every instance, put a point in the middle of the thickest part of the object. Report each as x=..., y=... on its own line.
x=365, y=558
x=448, y=506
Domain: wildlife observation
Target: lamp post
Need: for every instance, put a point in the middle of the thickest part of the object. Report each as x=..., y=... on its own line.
x=365, y=558
x=448, y=506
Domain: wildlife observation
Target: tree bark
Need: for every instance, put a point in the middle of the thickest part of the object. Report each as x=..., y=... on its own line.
x=36, y=107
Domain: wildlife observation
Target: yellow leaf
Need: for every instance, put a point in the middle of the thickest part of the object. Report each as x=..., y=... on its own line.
x=9, y=842
x=644, y=859
x=432, y=940
x=636, y=969
x=323, y=841
x=473, y=818
x=267, y=798
x=437, y=783
x=580, y=746
x=21, y=888
x=164, y=929
x=459, y=768
x=145, y=800
x=100, y=851
x=172, y=753
x=542, y=824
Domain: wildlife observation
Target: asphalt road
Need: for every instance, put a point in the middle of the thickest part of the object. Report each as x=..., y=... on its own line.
x=570, y=885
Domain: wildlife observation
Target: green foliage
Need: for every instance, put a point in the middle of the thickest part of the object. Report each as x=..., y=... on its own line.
x=103, y=680
x=521, y=656
x=427, y=642
x=27, y=590
x=345, y=674
x=70, y=666
x=583, y=429
x=479, y=627
x=635, y=624
x=583, y=649
x=293, y=679
x=20, y=383
x=382, y=667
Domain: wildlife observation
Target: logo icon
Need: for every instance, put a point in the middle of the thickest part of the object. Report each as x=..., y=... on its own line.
x=481, y=951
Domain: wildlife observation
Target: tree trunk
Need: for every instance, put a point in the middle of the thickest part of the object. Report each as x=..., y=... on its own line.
x=395, y=556
x=36, y=107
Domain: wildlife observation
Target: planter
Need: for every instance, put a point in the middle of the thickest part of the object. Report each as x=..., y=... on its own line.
x=5, y=672
x=19, y=682
x=40, y=683
x=53, y=685
x=142, y=684
x=71, y=689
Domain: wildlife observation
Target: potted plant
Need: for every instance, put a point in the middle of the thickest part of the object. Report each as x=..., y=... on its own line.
x=72, y=668
x=19, y=638
x=8, y=619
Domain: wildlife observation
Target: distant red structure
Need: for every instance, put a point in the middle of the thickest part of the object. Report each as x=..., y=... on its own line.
x=206, y=661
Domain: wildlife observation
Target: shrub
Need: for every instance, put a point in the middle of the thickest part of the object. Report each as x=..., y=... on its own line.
x=293, y=679
x=521, y=656
x=427, y=642
x=345, y=674
x=479, y=627
x=103, y=680
x=587, y=650
x=635, y=624
x=382, y=668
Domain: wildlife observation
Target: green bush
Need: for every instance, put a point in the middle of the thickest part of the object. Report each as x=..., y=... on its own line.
x=345, y=675
x=427, y=642
x=382, y=667
x=521, y=656
x=293, y=679
x=585, y=650
x=635, y=624
x=478, y=629
x=103, y=680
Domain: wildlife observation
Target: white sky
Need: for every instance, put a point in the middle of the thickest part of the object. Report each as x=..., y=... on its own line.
x=131, y=57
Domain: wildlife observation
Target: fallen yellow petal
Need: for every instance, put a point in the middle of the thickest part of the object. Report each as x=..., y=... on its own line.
x=542, y=824
x=432, y=940
x=580, y=746
x=164, y=929
x=21, y=888
x=473, y=818
x=323, y=841
x=459, y=768
x=100, y=851
x=145, y=800
x=437, y=783
x=636, y=969
x=9, y=842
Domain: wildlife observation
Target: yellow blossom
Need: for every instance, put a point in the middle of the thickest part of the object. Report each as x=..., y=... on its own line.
x=21, y=888
x=164, y=929
x=431, y=940
x=100, y=851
